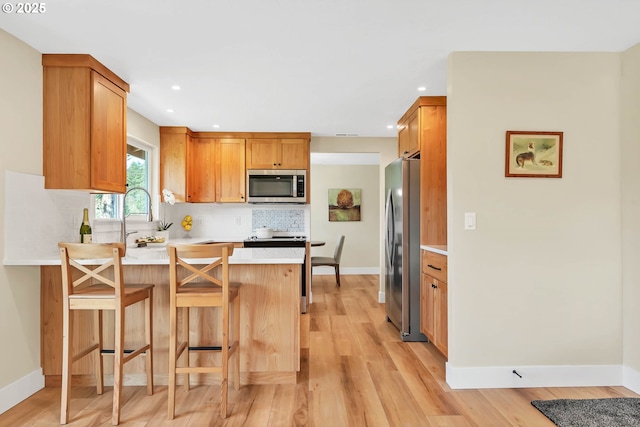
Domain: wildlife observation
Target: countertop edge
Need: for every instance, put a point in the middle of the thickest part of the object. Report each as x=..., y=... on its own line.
x=264, y=258
x=439, y=249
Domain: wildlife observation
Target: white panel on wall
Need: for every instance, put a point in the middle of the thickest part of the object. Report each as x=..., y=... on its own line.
x=35, y=219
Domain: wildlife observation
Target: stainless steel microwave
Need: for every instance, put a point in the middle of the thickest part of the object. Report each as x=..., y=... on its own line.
x=276, y=186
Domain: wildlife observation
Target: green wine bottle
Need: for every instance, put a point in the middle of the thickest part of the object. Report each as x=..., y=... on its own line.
x=85, y=228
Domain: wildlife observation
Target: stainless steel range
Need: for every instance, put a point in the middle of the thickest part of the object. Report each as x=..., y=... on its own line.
x=284, y=242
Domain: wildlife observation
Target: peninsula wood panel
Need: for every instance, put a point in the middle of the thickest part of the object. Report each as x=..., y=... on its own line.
x=269, y=317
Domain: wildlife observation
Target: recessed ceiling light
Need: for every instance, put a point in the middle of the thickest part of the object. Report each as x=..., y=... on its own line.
x=169, y=110
x=216, y=126
x=390, y=126
x=175, y=87
x=422, y=88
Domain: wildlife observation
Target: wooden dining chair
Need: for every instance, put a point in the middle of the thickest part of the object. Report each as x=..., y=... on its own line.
x=317, y=261
x=199, y=277
x=92, y=279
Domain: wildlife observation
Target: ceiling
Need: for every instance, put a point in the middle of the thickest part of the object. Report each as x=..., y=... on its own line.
x=349, y=67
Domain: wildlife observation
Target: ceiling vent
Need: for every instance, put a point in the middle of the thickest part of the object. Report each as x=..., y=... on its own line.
x=346, y=134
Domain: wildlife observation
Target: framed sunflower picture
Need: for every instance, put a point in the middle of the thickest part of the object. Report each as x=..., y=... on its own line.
x=533, y=154
x=344, y=204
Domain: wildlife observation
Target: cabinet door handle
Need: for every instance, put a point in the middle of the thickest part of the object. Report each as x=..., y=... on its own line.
x=434, y=286
x=435, y=268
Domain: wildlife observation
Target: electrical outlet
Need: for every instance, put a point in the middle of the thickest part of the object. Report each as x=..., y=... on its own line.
x=238, y=220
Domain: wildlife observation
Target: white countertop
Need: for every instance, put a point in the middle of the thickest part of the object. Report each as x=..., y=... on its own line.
x=157, y=255
x=439, y=249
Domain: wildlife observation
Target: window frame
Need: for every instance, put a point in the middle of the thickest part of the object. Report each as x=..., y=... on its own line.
x=152, y=184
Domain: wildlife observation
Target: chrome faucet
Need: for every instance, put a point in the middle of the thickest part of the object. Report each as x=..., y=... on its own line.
x=124, y=218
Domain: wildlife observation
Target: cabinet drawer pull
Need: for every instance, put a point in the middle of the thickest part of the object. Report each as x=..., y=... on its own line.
x=435, y=268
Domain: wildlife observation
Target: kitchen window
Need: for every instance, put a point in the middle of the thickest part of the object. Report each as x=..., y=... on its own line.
x=109, y=205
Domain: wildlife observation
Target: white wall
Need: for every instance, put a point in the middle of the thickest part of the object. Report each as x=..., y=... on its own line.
x=538, y=283
x=20, y=150
x=630, y=213
x=360, y=254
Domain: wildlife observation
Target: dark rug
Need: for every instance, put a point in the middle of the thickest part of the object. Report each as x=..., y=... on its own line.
x=610, y=412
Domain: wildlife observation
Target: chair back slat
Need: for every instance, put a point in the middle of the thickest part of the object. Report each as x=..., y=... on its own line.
x=186, y=256
x=76, y=276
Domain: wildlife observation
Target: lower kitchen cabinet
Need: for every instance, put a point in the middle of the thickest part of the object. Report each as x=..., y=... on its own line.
x=434, y=300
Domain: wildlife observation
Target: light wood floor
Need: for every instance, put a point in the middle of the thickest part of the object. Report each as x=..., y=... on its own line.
x=355, y=372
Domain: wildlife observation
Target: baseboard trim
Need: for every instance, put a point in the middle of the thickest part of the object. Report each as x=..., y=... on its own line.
x=326, y=271
x=19, y=390
x=533, y=376
x=631, y=379
x=381, y=297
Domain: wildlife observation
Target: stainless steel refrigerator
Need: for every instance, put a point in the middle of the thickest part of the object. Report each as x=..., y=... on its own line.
x=402, y=247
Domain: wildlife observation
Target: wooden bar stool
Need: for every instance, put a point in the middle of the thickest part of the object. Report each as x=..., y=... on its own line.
x=190, y=287
x=100, y=286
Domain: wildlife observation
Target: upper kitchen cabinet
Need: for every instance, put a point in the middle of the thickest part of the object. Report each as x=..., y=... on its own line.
x=413, y=127
x=216, y=170
x=84, y=125
x=175, y=143
x=230, y=166
x=202, y=167
x=408, y=140
x=201, y=176
x=279, y=153
x=423, y=133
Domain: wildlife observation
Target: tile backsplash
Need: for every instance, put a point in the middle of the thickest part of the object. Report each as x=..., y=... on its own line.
x=285, y=220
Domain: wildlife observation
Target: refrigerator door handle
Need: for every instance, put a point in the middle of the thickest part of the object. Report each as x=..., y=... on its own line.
x=390, y=230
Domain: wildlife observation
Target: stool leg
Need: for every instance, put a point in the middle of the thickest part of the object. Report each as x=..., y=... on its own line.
x=98, y=356
x=173, y=329
x=117, y=364
x=236, y=335
x=66, y=364
x=148, y=332
x=185, y=332
x=224, y=384
x=337, y=274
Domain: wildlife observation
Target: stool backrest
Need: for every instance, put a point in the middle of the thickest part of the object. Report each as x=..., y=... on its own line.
x=187, y=256
x=108, y=259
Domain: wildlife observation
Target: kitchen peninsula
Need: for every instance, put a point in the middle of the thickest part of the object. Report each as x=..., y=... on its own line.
x=269, y=316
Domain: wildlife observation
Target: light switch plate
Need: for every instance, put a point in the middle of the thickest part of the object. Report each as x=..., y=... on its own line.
x=469, y=220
